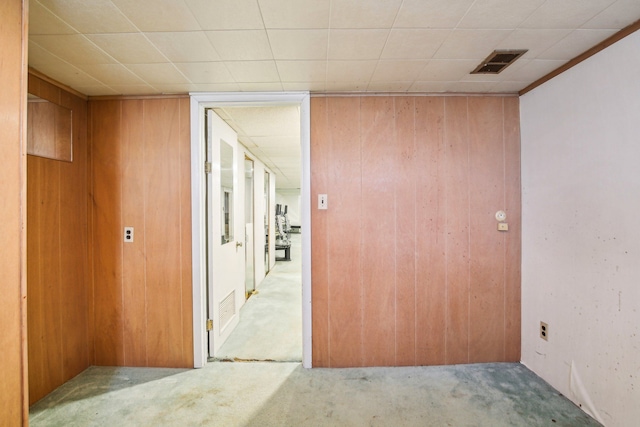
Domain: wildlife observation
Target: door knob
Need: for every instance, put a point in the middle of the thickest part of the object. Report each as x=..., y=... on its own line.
x=238, y=244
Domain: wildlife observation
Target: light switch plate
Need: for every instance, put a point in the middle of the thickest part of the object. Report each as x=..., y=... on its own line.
x=322, y=201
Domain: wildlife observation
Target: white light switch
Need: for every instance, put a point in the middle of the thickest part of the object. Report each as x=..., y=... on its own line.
x=128, y=234
x=322, y=201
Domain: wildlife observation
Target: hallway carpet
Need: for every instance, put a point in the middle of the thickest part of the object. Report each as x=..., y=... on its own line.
x=285, y=394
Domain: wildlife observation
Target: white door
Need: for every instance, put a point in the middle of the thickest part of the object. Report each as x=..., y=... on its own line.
x=225, y=230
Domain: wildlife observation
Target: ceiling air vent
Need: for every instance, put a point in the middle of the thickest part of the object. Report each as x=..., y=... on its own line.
x=498, y=61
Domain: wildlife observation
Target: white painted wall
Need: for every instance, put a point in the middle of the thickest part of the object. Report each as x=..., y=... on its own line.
x=581, y=232
x=290, y=198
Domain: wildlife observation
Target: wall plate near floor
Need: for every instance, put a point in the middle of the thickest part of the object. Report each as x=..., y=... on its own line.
x=544, y=331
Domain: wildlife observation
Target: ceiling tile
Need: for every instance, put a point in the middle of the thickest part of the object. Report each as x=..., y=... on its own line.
x=389, y=86
x=447, y=69
x=253, y=71
x=535, y=69
x=508, y=87
x=192, y=46
x=96, y=90
x=40, y=58
x=260, y=87
x=363, y=14
x=429, y=87
x=346, y=86
x=42, y=21
x=246, y=45
x=431, y=13
x=64, y=72
x=277, y=140
x=158, y=74
x=226, y=14
x=299, y=44
x=576, y=43
x=565, y=14
x=470, y=44
x=413, y=43
x=90, y=16
x=295, y=14
x=205, y=72
x=356, y=44
x=305, y=86
x=159, y=15
x=350, y=70
x=134, y=89
x=397, y=71
x=470, y=87
x=128, y=48
x=618, y=15
x=536, y=41
x=197, y=87
x=496, y=14
x=75, y=49
x=111, y=74
x=301, y=71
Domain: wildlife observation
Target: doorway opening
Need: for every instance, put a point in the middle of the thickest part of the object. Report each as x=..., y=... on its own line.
x=248, y=173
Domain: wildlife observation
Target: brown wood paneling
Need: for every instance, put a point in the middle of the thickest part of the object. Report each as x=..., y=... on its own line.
x=487, y=327
x=162, y=232
x=405, y=231
x=141, y=162
x=457, y=255
x=319, y=250
x=378, y=252
x=57, y=263
x=13, y=357
x=133, y=215
x=416, y=271
x=184, y=147
x=430, y=236
x=106, y=148
x=513, y=238
x=344, y=239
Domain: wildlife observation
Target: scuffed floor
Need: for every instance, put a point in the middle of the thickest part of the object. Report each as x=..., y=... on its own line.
x=285, y=394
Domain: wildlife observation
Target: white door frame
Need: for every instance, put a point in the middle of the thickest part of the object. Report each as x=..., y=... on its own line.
x=200, y=101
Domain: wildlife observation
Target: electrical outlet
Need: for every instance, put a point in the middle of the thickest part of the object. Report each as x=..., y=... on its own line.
x=544, y=331
x=128, y=234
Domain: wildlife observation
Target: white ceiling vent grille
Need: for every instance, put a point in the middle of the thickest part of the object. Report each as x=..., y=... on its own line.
x=227, y=309
x=498, y=61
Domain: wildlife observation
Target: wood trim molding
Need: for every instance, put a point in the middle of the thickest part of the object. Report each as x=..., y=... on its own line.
x=56, y=83
x=630, y=29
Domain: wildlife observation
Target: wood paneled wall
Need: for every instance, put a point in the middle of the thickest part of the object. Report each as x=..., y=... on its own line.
x=140, y=151
x=13, y=48
x=408, y=266
x=57, y=264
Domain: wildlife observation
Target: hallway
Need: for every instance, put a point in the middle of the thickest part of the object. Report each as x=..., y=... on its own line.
x=270, y=327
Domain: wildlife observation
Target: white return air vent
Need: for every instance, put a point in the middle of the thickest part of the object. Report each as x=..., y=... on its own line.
x=227, y=309
x=498, y=61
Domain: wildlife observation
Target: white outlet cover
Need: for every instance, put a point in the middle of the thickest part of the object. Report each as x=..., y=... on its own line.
x=501, y=215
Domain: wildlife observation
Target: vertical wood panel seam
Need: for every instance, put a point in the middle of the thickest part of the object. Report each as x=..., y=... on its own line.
x=504, y=237
x=328, y=144
x=93, y=228
x=360, y=142
x=395, y=247
x=121, y=208
x=180, y=231
x=415, y=233
x=468, y=144
x=144, y=232
x=59, y=256
x=446, y=229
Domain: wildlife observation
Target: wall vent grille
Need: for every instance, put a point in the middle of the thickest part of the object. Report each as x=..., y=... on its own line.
x=498, y=61
x=227, y=309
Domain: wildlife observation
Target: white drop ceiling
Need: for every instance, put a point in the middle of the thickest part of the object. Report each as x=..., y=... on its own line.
x=136, y=47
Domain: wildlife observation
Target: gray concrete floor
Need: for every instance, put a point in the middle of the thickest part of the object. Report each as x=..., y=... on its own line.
x=270, y=326
x=285, y=394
